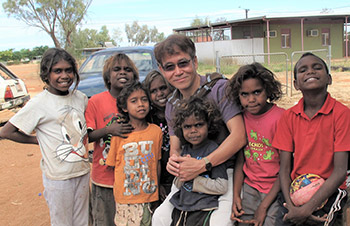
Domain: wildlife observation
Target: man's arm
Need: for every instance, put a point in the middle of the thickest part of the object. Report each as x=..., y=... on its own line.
x=175, y=154
x=11, y=132
x=190, y=168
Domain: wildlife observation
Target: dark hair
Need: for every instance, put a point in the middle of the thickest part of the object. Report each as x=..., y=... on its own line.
x=202, y=110
x=305, y=55
x=255, y=70
x=109, y=64
x=50, y=58
x=150, y=78
x=171, y=46
x=122, y=99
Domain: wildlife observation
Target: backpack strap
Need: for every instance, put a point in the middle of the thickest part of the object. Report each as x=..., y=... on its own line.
x=211, y=79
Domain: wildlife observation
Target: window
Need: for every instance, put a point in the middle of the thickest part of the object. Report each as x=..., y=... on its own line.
x=326, y=41
x=285, y=38
x=273, y=34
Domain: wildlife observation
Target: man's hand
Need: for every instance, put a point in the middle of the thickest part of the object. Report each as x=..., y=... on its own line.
x=173, y=165
x=189, y=167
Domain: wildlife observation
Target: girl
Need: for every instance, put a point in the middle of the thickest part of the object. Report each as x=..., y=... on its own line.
x=196, y=123
x=255, y=88
x=100, y=115
x=56, y=115
x=136, y=159
x=158, y=89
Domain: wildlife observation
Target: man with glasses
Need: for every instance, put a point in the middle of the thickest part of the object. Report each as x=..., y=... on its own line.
x=178, y=63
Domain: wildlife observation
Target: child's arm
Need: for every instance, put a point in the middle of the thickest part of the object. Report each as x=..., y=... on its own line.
x=11, y=132
x=115, y=129
x=261, y=212
x=238, y=178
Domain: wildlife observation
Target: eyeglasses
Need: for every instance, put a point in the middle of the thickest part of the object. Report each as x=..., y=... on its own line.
x=181, y=64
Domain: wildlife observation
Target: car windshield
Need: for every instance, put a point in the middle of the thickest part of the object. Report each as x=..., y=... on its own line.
x=142, y=60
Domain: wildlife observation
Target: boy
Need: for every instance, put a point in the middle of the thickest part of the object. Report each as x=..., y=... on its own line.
x=315, y=134
x=118, y=71
x=196, y=123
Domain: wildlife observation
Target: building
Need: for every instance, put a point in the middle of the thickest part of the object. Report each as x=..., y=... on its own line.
x=272, y=34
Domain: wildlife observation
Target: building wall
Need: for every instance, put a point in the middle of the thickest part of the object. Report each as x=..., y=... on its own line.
x=310, y=43
x=206, y=51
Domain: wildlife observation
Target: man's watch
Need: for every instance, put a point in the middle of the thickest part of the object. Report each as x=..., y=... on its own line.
x=208, y=164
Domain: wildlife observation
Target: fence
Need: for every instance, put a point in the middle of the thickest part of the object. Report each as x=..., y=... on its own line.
x=279, y=63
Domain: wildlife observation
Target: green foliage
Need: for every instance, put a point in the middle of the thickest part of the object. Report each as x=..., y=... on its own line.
x=22, y=55
x=197, y=22
x=140, y=35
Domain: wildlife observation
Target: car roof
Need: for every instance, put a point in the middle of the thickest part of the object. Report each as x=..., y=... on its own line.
x=126, y=49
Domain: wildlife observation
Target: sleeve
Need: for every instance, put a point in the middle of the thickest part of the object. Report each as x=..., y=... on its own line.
x=342, y=131
x=210, y=186
x=90, y=114
x=168, y=110
x=283, y=138
x=112, y=154
x=160, y=143
x=28, y=117
x=227, y=108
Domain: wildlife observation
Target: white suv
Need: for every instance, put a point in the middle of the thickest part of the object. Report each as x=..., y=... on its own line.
x=13, y=91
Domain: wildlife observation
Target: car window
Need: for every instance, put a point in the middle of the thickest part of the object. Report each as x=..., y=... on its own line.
x=142, y=60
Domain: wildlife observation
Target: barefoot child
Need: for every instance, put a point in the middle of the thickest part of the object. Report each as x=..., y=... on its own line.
x=56, y=115
x=136, y=159
x=313, y=137
x=255, y=88
x=196, y=123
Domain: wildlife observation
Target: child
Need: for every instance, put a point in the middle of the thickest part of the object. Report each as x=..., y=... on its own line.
x=158, y=90
x=101, y=111
x=136, y=160
x=313, y=137
x=196, y=123
x=56, y=115
x=257, y=165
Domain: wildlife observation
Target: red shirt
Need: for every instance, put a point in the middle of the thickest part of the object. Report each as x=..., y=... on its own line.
x=99, y=112
x=314, y=141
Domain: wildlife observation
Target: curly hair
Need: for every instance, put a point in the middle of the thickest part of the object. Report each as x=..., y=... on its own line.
x=255, y=70
x=123, y=96
x=202, y=110
x=50, y=58
x=109, y=64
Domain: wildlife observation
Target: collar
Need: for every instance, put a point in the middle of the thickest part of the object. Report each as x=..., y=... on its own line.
x=325, y=109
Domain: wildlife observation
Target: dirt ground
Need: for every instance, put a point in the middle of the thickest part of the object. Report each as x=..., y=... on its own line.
x=21, y=196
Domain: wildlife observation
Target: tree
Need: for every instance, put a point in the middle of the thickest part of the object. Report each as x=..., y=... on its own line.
x=89, y=38
x=197, y=22
x=50, y=16
x=140, y=35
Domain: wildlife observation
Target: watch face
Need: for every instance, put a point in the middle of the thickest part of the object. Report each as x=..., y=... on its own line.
x=208, y=166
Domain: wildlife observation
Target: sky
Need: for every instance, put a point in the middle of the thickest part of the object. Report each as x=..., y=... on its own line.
x=164, y=15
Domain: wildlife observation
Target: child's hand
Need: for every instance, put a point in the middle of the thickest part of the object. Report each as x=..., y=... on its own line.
x=259, y=216
x=300, y=215
x=237, y=210
x=119, y=129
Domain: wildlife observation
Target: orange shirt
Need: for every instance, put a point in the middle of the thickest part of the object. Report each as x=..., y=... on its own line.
x=136, y=162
